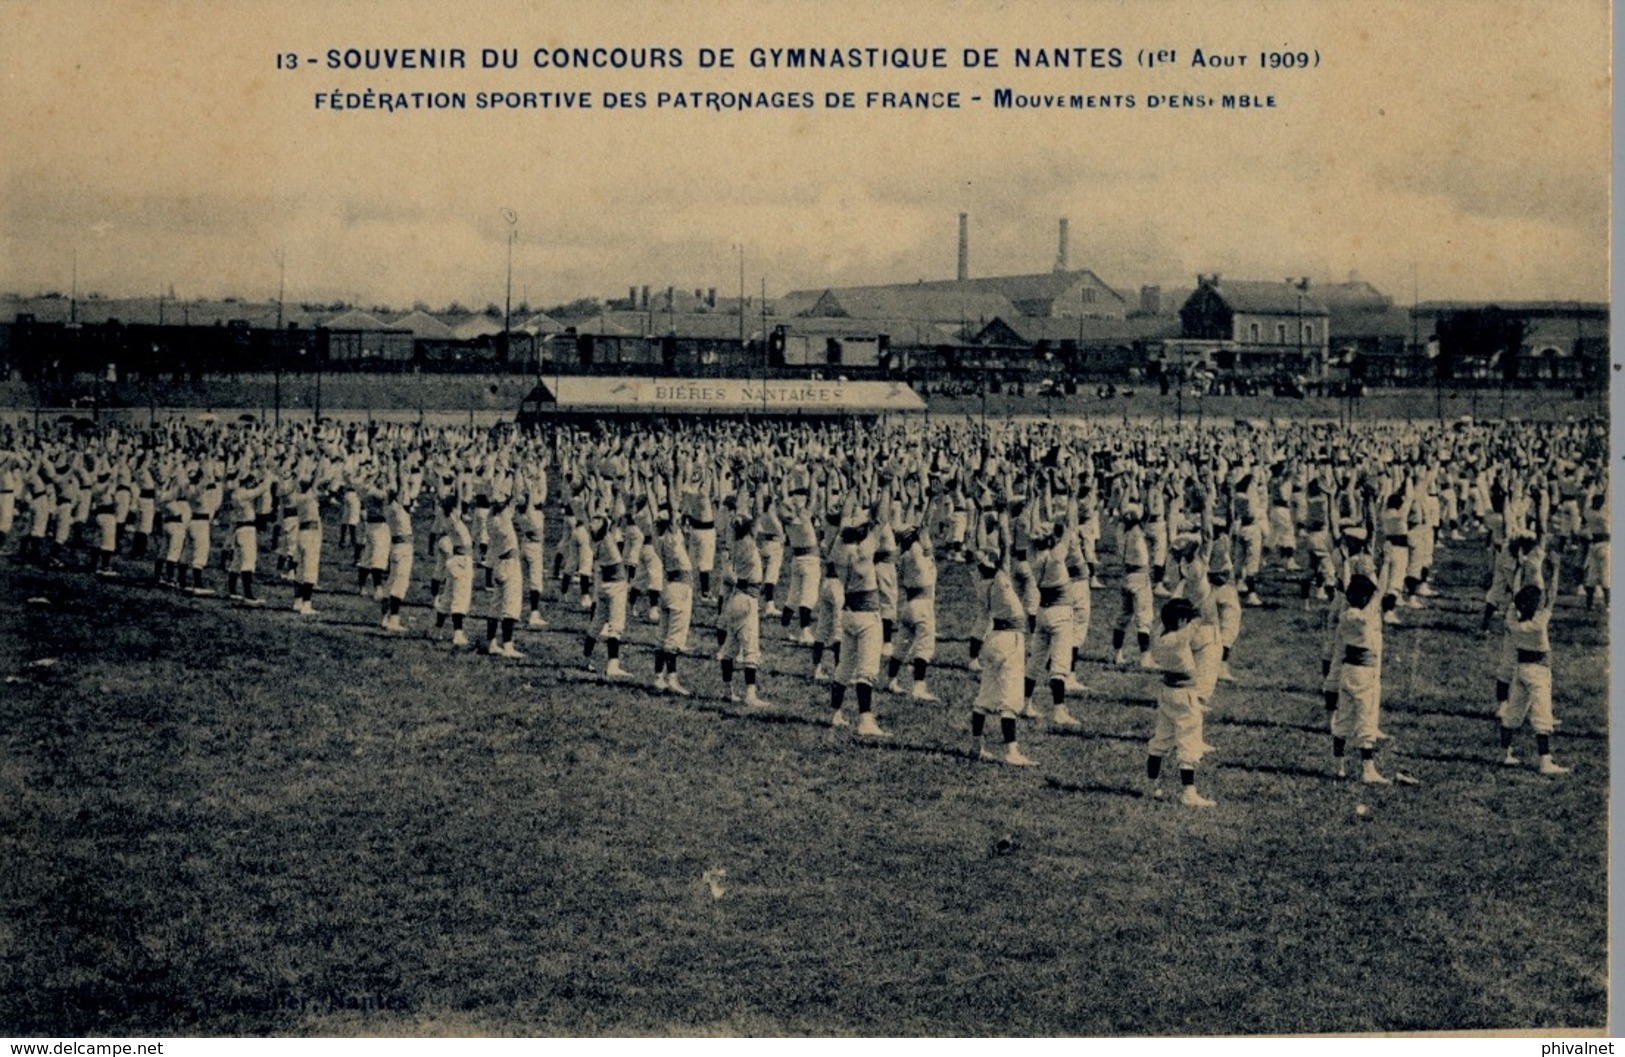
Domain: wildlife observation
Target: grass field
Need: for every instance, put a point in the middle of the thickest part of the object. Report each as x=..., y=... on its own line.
x=233, y=821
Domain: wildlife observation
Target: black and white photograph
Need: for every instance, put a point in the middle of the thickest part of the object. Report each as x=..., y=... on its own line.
x=693, y=520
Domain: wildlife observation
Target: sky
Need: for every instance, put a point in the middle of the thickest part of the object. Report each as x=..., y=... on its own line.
x=1446, y=149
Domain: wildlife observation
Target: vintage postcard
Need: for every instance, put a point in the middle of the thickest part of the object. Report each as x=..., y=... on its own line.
x=763, y=519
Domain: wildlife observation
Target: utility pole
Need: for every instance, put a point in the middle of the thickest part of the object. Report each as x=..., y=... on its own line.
x=764, y=346
x=507, y=305
x=276, y=343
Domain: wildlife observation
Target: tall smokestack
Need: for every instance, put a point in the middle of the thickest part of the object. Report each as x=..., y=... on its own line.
x=964, y=246
x=1060, y=254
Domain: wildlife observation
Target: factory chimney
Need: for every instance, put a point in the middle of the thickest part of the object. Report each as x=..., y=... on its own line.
x=1060, y=254
x=964, y=246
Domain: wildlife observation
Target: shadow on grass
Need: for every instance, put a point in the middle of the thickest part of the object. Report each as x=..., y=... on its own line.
x=1267, y=724
x=1283, y=770
x=1094, y=787
x=1485, y=761
x=1091, y=735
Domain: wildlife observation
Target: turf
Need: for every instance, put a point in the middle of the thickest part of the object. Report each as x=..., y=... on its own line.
x=232, y=821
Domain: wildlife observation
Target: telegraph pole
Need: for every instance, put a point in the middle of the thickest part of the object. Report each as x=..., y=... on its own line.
x=276, y=345
x=507, y=305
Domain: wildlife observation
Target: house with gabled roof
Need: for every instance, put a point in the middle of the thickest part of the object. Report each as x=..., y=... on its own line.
x=1255, y=327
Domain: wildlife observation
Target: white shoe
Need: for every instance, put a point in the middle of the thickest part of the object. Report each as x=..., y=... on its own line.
x=653, y=617
x=1510, y=759
x=1426, y=590
x=1548, y=766
x=819, y=675
x=536, y=620
x=806, y=637
x=1153, y=790
x=1063, y=718
x=975, y=664
x=1073, y=686
x=1291, y=565
x=459, y=638
x=586, y=601
x=511, y=651
x=1191, y=798
x=660, y=683
x=1029, y=711
x=893, y=687
x=613, y=670
x=839, y=720
x=1413, y=602
x=1146, y=661
x=923, y=693
x=309, y=610
x=1095, y=581
x=1120, y=658
x=868, y=727
x=1225, y=675
x=675, y=687
x=1252, y=601
x=1016, y=758
x=772, y=610
x=752, y=701
x=1390, y=617
x=1342, y=768
x=494, y=648
x=1371, y=776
